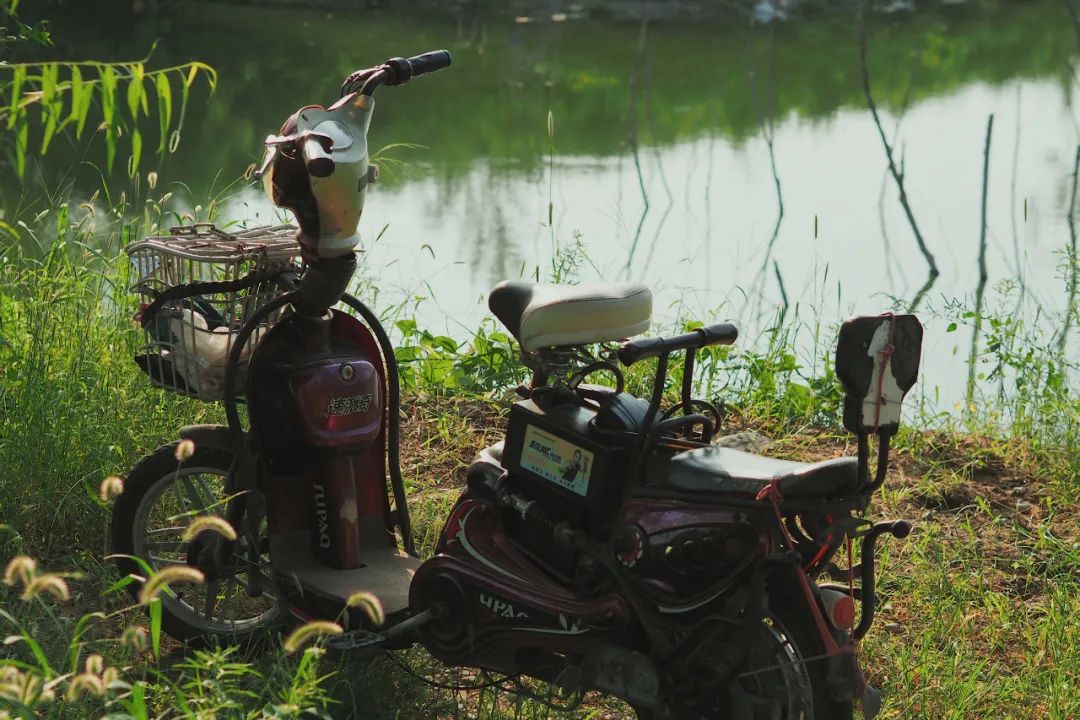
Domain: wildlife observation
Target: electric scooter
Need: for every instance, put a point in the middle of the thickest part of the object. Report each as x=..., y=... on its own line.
x=606, y=543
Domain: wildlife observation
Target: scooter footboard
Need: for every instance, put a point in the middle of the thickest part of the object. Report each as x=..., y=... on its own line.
x=501, y=608
x=384, y=572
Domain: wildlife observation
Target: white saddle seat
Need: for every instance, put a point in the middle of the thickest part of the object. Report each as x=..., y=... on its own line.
x=540, y=315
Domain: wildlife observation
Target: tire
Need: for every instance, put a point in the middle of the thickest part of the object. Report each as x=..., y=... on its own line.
x=161, y=496
x=798, y=625
x=787, y=631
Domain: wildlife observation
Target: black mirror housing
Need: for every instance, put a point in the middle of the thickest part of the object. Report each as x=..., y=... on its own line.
x=877, y=362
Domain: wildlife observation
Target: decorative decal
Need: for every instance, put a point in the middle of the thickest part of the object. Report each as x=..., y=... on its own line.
x=351, y=405
x=557, y=460
x=883, y=381
x=568, y=628
x=463, y=538
x=322, y=516
x=688, y=608
x=501, y=608
x=631, y=546
x=453, y=524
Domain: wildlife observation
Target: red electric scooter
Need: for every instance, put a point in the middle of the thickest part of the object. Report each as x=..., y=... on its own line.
x=605, y=544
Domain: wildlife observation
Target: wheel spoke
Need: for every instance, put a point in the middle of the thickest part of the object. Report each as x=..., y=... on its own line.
x=198, y=502
x=206, y=493
x=220, y=604
x=177, y=547
x=166, y=530
x=761, y=702
x=181, y=506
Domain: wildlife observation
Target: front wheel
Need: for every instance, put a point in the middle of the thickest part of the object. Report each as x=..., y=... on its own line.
x=783, y=677
x=161, y=497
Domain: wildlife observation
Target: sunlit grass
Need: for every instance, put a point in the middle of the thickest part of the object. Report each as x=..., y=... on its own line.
x=979, y=607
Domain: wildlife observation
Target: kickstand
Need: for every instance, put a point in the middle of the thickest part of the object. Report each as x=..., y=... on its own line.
x=358, y=639
x=871, y=702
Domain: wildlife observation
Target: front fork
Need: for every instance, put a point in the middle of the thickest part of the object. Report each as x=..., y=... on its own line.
x=844, y=672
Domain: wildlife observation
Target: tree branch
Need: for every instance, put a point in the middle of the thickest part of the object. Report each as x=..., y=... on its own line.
x=896, y=172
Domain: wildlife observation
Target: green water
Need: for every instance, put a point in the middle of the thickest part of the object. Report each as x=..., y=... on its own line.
x=659, y=162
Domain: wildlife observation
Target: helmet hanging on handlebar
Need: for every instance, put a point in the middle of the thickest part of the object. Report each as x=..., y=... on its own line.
x=317, y=167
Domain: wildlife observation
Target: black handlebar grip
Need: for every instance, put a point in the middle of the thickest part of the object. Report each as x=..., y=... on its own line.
x=636, y=350
x=900, y=529
x=429, y=62
x=719, y=334
x=401, y=70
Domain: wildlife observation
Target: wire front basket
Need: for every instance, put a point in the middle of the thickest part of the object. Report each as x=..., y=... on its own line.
x=197, y=286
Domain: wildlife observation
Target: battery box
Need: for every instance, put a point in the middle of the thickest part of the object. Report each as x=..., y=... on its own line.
x=551, y=447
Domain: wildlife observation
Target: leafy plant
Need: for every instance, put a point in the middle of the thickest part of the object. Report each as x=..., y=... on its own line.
x=56, y=96
x=488, y=363
x=59, y=666
x=111, y=97
x=16, y=31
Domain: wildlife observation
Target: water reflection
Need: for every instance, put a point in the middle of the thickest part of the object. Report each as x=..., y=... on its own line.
x=508, y=75
x=1070, y=264
x=735, y=168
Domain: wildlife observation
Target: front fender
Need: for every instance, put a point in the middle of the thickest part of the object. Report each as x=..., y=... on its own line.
x=788, y=583
x=217, y=437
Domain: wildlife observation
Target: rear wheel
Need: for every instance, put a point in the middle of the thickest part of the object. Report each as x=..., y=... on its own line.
x=782, y=678
x=161, y=497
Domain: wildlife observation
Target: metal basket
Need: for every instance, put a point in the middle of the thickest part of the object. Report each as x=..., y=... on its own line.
x=188, y=339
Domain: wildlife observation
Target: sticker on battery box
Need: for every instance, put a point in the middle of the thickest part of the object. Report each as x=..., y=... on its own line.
x=557, y=460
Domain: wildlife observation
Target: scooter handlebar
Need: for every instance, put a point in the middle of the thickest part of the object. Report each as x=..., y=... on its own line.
x=720, y=334
x=396, y=71
x=401, y=70
x=429, y=62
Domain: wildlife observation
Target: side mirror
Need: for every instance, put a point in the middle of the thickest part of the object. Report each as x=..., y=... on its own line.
x=877, y=362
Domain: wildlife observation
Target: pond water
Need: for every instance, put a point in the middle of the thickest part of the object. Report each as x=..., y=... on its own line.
x=663, y=149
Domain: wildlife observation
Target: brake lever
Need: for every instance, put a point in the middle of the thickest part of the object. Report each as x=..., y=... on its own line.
x=268, y=162
x=274, y=143
x=295, y=139
x=356, y=80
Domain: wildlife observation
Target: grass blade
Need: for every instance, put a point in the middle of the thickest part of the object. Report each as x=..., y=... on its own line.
x=164, y=98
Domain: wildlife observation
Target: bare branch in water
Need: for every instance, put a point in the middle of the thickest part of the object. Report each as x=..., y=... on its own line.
x=1070, y=309
x=980, y=289
x=632, y=138
x=917, y=300
x=766, y=124
x=886, y=244
x=650, y=119
x=897, y=173
x=1071, y=7
x=783, y=291
x=985, y=182
x=1019, y=269
x=885, y=241
x=769, y=134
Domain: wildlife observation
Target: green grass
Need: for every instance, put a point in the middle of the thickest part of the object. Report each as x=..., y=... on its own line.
x=980, y=602
x=74, y=407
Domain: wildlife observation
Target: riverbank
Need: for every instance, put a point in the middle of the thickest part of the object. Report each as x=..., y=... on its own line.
x=978, y=605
